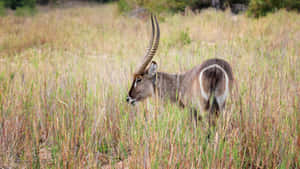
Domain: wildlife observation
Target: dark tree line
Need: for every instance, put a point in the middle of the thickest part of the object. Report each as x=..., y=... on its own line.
x=13, y=4
x=254, y=7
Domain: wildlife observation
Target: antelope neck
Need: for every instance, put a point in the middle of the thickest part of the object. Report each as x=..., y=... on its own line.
x=167, y=84
x=154, y=82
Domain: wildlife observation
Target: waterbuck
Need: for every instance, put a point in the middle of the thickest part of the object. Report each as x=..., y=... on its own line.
x=203, y=88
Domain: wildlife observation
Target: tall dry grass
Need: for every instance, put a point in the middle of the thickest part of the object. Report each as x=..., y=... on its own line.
x=64, y=75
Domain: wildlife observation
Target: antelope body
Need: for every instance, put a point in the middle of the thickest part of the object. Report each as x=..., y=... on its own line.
x=203, y=88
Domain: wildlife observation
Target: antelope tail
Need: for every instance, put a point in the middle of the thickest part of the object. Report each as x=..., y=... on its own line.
x=213, y=105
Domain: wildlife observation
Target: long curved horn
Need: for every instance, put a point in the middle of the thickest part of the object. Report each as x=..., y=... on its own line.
x=156, y=43
x=152, y=47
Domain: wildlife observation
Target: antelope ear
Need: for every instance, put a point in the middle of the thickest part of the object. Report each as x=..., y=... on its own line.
x=152, y=69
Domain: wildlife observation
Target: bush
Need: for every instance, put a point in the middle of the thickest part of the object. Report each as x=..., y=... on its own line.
x=155, y=5
x=178, y=38
x=104, y=1
x=259, y=8
x=14, y=4
x=45, y=2
x=256, y=8
x=123, y=6
x=25, y=11
x=2, y=9
x=292, y=4
x=174, y=5
x=238, y=1
x=185, y=38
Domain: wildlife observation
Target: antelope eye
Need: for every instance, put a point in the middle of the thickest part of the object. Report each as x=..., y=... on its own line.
x=138, y=80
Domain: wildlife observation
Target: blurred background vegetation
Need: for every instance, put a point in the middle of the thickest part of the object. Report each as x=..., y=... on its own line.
x=254, y=8
x=65, y=73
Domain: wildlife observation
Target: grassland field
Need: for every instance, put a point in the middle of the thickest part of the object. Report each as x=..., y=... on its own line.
x=65, y=73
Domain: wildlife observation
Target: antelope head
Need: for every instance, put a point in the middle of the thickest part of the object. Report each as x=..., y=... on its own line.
x=143, y=85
